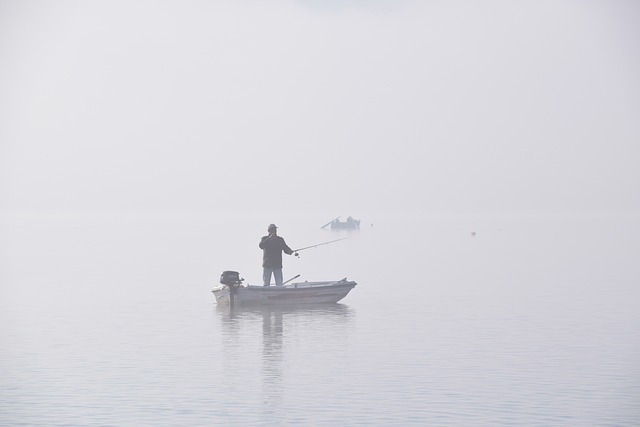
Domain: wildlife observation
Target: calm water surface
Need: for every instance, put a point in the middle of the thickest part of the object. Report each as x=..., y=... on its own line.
x=109, y=321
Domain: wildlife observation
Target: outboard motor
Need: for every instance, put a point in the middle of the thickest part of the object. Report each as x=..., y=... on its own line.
x=230, y=278
x=233, y=281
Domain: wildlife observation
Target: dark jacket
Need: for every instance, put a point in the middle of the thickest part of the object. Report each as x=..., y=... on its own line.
x=272, y=251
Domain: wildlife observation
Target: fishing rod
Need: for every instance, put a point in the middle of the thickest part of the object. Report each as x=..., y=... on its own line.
x=314, y=246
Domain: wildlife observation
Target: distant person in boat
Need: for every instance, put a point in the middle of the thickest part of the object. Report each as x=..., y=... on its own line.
x=272, y=247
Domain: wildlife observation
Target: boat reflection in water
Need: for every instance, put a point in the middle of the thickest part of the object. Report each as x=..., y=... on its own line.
x=274, y=345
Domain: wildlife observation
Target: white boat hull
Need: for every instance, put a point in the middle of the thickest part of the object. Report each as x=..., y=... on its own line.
x=294, y=293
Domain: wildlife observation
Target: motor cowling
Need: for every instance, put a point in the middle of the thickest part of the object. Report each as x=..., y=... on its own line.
x=230, y=278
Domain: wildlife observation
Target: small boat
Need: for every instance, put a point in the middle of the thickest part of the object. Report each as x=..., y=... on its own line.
x=287, y=294
x=349, y=224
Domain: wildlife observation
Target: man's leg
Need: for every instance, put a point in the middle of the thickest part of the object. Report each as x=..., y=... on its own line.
x=277, y=273
x=266, y=276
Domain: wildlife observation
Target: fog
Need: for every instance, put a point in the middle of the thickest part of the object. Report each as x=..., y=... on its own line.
x=146, y=145
x=355, y=107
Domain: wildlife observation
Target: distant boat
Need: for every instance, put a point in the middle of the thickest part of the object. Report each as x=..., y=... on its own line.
x=288, y=294
x=349, y=224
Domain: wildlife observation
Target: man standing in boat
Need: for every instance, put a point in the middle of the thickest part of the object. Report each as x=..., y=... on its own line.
x=272, y=247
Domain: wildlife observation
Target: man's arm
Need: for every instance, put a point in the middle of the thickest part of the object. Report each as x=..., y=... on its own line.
x=286, y=249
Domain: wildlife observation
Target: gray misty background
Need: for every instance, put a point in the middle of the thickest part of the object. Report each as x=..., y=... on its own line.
x=493, y=145
x=354, y=107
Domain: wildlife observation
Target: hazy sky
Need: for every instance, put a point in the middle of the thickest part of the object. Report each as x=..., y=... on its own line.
x=349, y=107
